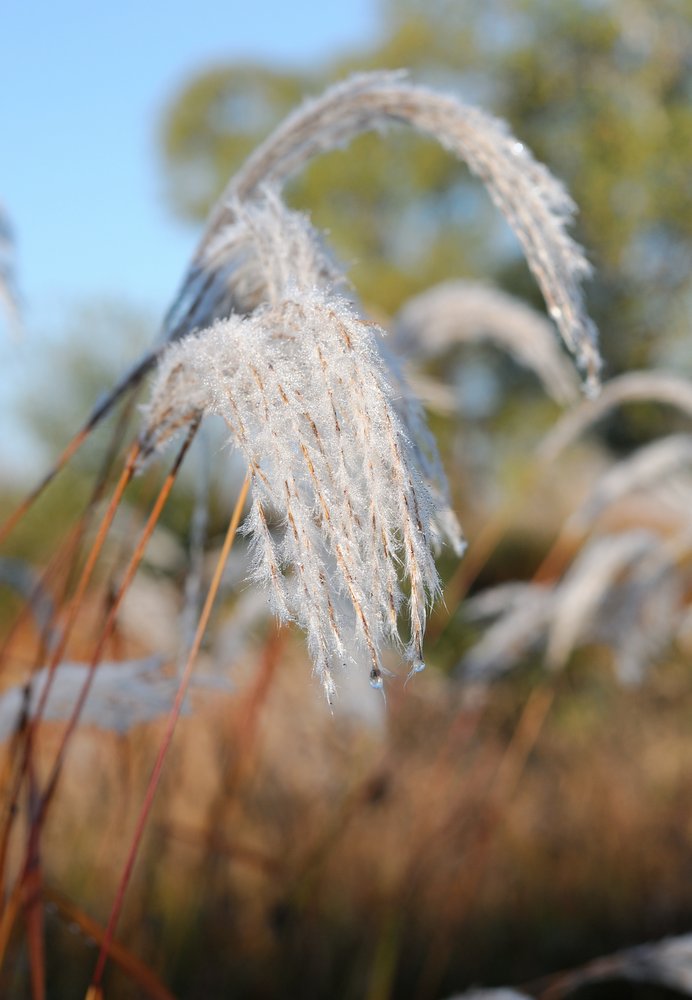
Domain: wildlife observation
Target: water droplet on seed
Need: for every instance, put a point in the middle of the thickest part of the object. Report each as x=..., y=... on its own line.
x=376, y=680
x=416, y=667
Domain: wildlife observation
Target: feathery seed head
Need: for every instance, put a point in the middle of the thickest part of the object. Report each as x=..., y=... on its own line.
x=456, y=312
x=348, y=492
x=340, y=512
x=535, y=205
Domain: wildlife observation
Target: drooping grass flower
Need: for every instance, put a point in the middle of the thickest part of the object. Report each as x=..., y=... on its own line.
x=305, y=396
x=349, y=499
x=625, y=590
x=632, y=387
x=457, y=312
x=661, y=467
x=534, y=204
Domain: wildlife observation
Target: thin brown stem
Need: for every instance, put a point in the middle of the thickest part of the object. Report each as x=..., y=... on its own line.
x=67, y=552
x=42, y=805
x=33, y=722
x=130, y=380
x=144, y=977
x=166, y=741
x=111, y=620
x=18, y=513
x=86, y=575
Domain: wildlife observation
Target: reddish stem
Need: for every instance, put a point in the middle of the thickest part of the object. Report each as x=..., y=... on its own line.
x=165, y=744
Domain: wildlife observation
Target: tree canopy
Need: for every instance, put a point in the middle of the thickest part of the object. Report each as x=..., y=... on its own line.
x=600, y=92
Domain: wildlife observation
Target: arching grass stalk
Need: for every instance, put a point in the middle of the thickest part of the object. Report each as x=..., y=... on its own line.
x=340, y=454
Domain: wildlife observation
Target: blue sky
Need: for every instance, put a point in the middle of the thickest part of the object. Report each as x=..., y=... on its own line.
x=82, y=90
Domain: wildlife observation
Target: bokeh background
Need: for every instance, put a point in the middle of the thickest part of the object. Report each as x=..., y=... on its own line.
x=488, y=833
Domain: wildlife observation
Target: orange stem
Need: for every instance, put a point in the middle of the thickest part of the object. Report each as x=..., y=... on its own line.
x=166, y=741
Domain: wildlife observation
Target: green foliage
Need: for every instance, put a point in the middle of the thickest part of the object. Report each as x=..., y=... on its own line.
x=224, y=110
x=97, y=342
x=79, y=361
x=601, y=92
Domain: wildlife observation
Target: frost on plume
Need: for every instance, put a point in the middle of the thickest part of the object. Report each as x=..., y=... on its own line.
x=340, y=514
x=348, y=494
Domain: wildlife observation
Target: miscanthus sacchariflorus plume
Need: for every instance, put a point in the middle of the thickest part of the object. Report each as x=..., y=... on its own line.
x=624, y=591
x=626, y=587
x=462, y=312
x=348, y=498
x=305, y=396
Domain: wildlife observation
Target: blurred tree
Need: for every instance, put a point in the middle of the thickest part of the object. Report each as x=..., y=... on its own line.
x=76, y=361
x=81, y=358
x=600, y=91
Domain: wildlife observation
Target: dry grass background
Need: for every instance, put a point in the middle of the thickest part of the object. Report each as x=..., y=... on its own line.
x=291, y=853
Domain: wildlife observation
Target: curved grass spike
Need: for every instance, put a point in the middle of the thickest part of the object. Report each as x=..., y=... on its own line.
x=275, y=375
x=633, y=387
x=533, y=202
x=462, y=312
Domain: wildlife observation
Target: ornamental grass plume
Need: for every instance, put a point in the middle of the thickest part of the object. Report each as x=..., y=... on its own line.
x=535, y=205
x=633, y=387
x=625, y=590
x=349, y=500
x=457, y=312
x=659, y=469
x=304, y=394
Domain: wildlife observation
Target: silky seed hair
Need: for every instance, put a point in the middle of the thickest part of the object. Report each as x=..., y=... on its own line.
x=632, y=387
x=462, y=312
x=623, y=589
x=348, y=495
x=536, y=205
x=658, y=467
x=341, y=515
